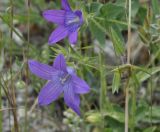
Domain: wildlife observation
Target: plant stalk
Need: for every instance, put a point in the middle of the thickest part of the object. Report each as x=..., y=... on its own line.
x=27, y=70
x=128, y=62
x=14, y=111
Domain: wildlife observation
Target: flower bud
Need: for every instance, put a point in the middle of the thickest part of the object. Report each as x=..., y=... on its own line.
x=94, y=118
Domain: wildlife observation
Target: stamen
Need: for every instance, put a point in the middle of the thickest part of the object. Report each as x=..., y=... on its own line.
x=65, y=78
x=75, y=20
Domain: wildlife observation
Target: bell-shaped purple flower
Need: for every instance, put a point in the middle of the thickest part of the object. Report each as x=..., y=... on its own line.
x=61, y=79
x=68, y=23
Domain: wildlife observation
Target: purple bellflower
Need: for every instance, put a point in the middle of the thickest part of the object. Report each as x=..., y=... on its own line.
x=61, y=79
x=68, y=22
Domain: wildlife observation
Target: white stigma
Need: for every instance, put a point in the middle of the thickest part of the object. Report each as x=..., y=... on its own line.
x=75, y=20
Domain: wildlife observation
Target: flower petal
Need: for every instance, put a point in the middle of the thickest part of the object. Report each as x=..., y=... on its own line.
x=73, y=37
x=60, y=63
x=56, y=16
x=79, y=85
x=72, y=21
x=41, y=70
x=50, y=92
x=71, y=99
x=79, y=14
x=58, y=34
x=65, y=5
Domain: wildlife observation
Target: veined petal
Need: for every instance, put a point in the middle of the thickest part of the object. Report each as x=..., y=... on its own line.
x=58, y=34
x=50, y=92
x=56, y=16
x=73, y=37
x=79, y=85
x=41, y=70
x=65, y=5
x=79, y=14
x=71, y=99
x=60, y=63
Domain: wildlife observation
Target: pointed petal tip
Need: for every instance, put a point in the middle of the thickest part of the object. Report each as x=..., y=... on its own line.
x=78, y=113
x=60, y=63
x=50, y=43
x=80, y=86
x=31, y=63
x=65, y=5
x=76, y=110
x=42, y=103
x=58, y=34
x=73, y=37
x=61, y=55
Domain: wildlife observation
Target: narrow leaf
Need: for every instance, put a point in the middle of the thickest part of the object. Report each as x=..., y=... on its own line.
x=116, y=82
x=117, y=42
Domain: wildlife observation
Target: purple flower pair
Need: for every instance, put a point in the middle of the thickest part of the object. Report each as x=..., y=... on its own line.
x=68, y=23
x=61, y=79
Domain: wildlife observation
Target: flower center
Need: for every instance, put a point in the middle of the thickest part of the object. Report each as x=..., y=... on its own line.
x=71, y=18
x=74, y=20
x=65, y=78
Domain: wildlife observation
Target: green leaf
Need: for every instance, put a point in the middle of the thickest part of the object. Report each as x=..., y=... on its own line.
x=111, y=11
x=116, y=82
x=94, y=7
x=155, y=5
x=142, y=76
x=97, y=31
x=117, y=42
x=119, y=116
x=150, y=129
x=135, y=7
x=135, y=80
x=141, y=14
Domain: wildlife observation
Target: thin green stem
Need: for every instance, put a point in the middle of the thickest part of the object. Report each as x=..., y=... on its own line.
x=103, y=88
x=1, y=118
x=27, y=70
x=1, y=115
x=126, y=104
x=128, y=62
x=14, y=111
x=129, y=34
x=133, y=110
x=103, y=84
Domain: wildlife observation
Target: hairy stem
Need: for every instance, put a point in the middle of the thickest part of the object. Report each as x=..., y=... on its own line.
x=1, y=116
x=103, y=88
x=14, y=111
x=126, y=105
x=27, y=71
x=128, y=61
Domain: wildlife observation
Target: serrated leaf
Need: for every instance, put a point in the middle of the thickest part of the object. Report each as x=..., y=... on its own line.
x=117, y=42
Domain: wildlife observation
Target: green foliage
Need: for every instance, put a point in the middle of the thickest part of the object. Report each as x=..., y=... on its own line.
x=103, y=108
x=117, y=42
x=116, y=81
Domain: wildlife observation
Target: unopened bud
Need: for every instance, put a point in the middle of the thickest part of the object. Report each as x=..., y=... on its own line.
x=94, y=118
